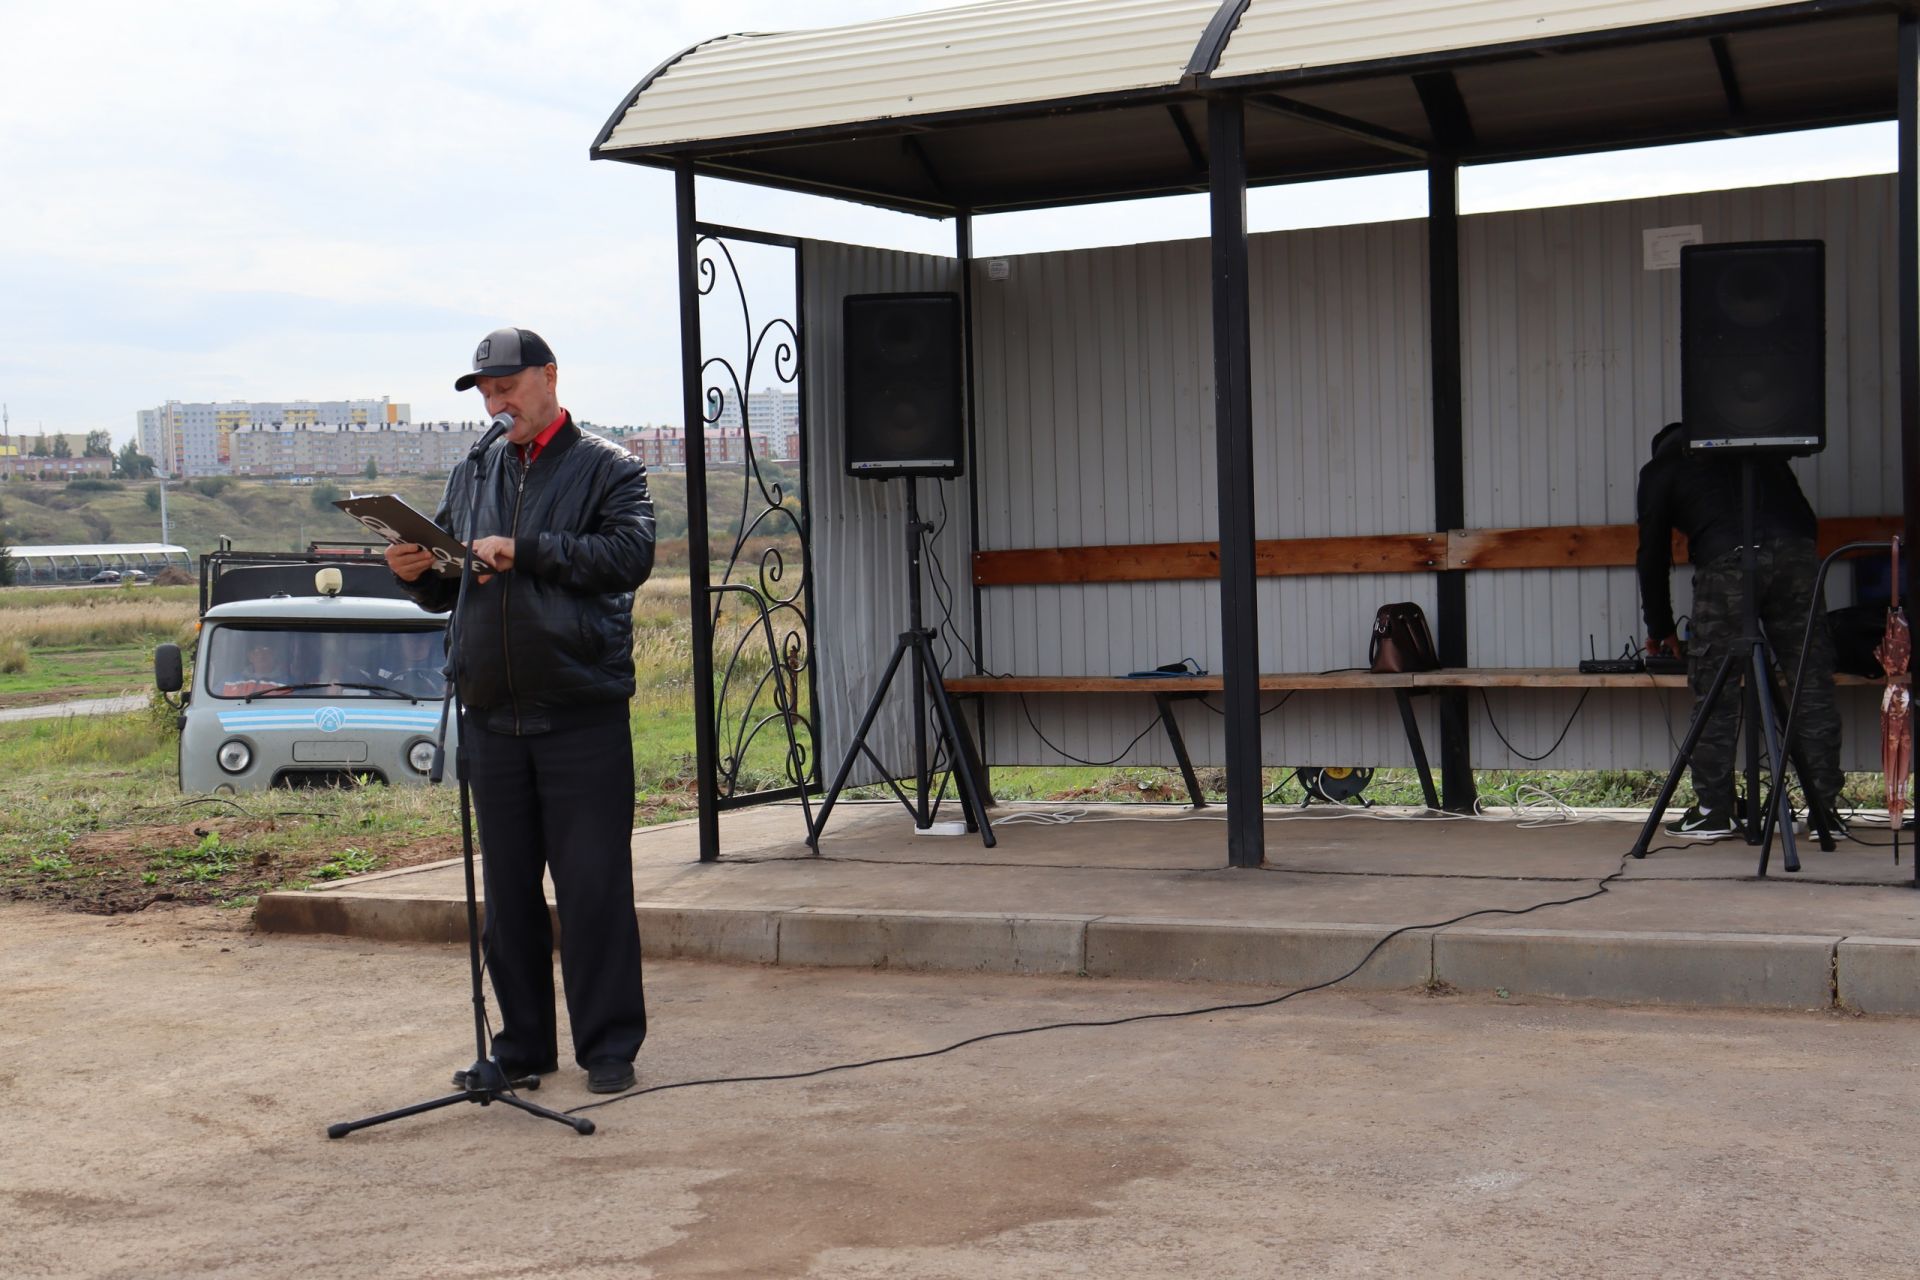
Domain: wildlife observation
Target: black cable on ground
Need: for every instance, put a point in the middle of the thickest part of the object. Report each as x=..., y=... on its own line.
x=1090, y=1024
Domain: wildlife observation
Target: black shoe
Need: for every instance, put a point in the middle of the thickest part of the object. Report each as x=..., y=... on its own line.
x=609, y=1075
x=1837, y=826
x=1702, y=824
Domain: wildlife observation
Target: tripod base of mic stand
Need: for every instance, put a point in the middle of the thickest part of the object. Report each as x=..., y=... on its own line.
x=486, y=1085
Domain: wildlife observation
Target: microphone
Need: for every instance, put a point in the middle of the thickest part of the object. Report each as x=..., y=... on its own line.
x=501, y=424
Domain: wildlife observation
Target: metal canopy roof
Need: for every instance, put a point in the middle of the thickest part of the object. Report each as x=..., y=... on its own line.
x=1027, y=103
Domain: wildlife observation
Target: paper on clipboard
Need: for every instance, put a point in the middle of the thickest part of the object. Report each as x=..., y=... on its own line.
x=397, y=521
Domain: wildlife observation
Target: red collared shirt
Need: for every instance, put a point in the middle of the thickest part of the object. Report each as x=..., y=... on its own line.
x=531, y=450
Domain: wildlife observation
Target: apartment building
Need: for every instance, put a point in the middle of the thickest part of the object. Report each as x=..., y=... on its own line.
x=196, y=439
x=345, y=448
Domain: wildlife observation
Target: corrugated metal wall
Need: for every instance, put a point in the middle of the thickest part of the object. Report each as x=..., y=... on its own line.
x=1095, y=412
x=1095, y=380
x=1573, y=362
x=859, y=527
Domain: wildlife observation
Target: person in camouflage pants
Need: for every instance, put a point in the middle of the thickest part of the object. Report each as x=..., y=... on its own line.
x=1785, y=575
x=1700, y=496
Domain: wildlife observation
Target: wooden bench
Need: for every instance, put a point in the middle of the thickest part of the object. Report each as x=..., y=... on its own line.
x=1167, y=690
x=1541, y=547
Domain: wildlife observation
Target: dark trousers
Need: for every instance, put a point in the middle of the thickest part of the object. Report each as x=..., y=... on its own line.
x=559, y=801
x=1785, y=579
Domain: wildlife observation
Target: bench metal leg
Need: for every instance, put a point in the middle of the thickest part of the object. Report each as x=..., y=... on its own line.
x=1165, y=703
x=1405, y=699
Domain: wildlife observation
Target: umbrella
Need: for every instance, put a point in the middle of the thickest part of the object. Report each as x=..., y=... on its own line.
x=1895, y=652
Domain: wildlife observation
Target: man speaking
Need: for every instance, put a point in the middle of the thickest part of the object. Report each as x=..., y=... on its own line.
x=545, y=670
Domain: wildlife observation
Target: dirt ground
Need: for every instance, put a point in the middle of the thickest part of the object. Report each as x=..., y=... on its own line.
x=169, y=1075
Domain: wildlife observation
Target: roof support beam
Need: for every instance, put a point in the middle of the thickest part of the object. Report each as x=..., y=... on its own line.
x=1447, y=118
x=925, y=162
x=1729, y=78
x=1337, y=123
x=1187, y=138
x=1233, y=438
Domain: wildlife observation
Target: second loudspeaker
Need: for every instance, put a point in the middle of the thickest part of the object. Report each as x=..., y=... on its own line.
x=904, y=410
x=1753, y=346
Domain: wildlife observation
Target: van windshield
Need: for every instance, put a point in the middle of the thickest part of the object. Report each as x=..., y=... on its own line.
x=260, y=662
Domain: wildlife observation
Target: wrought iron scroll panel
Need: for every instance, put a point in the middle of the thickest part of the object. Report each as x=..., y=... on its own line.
x=759, y=600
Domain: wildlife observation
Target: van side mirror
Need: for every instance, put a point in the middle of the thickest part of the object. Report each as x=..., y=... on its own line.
x=167, y=672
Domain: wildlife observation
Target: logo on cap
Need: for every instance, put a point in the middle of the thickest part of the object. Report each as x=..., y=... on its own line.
x=480, y=354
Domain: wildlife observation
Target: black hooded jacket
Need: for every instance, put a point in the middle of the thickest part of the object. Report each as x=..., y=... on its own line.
x=1700, y=496
x=551, y=640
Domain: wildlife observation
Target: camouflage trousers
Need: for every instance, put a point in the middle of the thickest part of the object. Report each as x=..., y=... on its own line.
x=1785, y=587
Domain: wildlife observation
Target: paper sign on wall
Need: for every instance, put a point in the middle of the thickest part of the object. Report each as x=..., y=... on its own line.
x=1662, y=245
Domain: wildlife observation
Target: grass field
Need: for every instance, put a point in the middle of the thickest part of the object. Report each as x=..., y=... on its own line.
x=57, y=644
x=90, y=813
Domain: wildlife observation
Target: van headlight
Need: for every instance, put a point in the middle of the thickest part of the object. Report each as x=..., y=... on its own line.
x=420, y=756
x=234, y=755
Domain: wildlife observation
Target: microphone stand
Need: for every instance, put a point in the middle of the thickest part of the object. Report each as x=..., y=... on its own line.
x=485, y=1082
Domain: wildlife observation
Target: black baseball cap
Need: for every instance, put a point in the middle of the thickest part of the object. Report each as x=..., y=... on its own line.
x=506, y=351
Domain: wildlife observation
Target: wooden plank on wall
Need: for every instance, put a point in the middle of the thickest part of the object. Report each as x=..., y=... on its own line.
x=1576, y=546
x=1548, y=547
x=1176, y=561
x=1589, y=546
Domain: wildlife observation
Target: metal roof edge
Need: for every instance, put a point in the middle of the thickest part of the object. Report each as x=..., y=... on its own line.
x=1640, y=33
x=1213, y=41
x=646, y=82
x=709, y=148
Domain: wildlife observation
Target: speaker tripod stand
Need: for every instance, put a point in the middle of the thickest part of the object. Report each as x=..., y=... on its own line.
x=963, y=762
x=1749, y=656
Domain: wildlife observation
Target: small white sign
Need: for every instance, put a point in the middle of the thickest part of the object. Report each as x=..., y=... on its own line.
x=998, y=268
x=1662, y=245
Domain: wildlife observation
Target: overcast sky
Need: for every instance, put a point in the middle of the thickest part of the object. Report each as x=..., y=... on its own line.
x=229, y=199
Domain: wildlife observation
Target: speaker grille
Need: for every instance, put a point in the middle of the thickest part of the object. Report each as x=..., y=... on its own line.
x=1753, y=345
x=903, y=384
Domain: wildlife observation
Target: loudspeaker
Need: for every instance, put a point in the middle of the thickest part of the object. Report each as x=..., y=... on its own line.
x=904, y=414
x=1753, y=346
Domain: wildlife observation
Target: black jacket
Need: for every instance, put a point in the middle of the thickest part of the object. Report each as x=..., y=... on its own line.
x=1701, y=498
x=552, y=639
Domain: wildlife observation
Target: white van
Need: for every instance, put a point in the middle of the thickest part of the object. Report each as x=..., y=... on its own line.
x=310, y=671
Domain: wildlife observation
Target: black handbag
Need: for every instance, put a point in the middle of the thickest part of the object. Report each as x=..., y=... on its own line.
x=1401, y=641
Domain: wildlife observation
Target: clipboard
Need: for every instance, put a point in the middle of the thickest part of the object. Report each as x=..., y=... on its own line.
x=395, y=520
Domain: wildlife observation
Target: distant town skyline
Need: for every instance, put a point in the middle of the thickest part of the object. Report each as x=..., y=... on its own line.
x=231, y=202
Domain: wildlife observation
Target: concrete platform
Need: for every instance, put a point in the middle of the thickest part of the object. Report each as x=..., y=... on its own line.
x=1141, y=892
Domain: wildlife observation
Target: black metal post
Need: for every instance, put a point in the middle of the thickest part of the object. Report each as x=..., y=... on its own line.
x=1449, y=471
x=1907, y=276
x=1233, y=435
x=815, y=780
x=693, y=407
x=963, y=249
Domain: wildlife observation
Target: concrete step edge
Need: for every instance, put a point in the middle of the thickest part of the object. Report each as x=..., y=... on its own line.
x=1772, y=971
